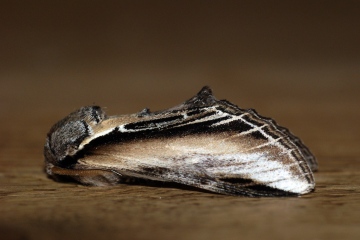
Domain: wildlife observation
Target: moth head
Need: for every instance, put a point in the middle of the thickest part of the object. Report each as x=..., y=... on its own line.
x=65, y=136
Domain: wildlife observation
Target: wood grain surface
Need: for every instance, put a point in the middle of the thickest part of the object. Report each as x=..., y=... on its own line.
x=297, y=63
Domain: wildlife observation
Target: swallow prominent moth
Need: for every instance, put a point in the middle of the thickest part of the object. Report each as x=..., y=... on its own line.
x=204, y=143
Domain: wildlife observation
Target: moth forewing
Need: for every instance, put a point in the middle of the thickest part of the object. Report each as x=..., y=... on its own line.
x=191, y=160
x=204, y=142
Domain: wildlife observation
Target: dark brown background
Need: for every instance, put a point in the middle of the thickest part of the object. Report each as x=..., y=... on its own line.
x=295, y=61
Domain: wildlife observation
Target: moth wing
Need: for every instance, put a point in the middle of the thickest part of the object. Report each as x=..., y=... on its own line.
x=211, y=162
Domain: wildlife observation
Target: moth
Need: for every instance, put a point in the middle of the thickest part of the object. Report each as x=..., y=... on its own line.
x=204, y=143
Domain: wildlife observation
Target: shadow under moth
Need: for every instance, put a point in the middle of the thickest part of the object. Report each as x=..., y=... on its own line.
x=204, y=143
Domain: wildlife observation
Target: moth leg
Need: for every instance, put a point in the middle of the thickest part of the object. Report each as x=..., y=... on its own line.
x=94, y=177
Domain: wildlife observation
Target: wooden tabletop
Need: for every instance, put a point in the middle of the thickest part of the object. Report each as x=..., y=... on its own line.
x=131, y=57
